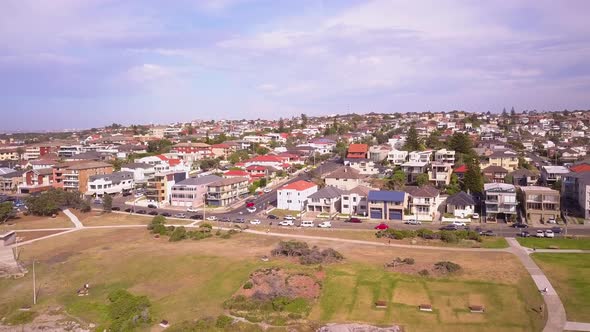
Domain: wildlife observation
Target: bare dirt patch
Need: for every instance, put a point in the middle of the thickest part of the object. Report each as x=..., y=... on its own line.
x=271, y=283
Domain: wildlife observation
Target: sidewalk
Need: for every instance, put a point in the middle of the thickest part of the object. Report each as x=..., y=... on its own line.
x=556, y=312
x=73, y=218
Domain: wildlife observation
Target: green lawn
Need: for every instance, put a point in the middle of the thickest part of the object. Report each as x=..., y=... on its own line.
x=494, y=243
x=570, y=275
x=561, y=243
x=351, y=290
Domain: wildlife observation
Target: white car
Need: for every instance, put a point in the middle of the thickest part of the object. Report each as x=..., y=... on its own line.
x=212, y=218
x=251, y=209
x=413, y=222
x=255, y=222
x=138, y=195
x=267, y=190
x=551, y=221
x=307, y=223
x=458, y=223
x=180, y=215
x=325, y=224
x=192, y=209
x=540, y=233
x=475, y=216
x=286, y=223
x=289, y=217
x=549, y=233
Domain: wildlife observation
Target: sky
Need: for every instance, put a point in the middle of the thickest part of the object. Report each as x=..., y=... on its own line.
x=88, y=63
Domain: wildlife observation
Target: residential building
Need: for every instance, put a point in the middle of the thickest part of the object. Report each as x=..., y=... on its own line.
x=192, y=192
x=357, y=151
x=110, y=184
x=221, y=150
x=445, y=156
x=524, y=177
x=387, y=205
x=414, y=168
x=73, y=176
x=36, y=151
x=36, y=180
x=552, y=174
x=159, y=188
x=460, y=171
x=354, y=201
x=495, y=174
x=440, y=173
x=66, y=151
x=192, y=151
x=364, y=166
x=163, y=163
x=420, y=156
x=540, y=203
x=9, y=182
x=142, y=172
x=500, y=202
x=423, y=202
x=345, y=178
x=576, y=191
x=461, y=205
x=9, y=153
x=325, y=200
x=268, y=160
x=507, y=159
x=378, y=153
x=293, y=196
x=225, y=192
x=397, y=157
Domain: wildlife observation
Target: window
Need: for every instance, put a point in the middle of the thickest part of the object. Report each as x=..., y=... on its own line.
x=354, y=199
x=345, y=206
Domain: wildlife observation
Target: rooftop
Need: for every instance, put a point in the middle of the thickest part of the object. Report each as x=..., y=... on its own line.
x=203, y=180
x=299, y=185
x=386, y=196
x=461, y=198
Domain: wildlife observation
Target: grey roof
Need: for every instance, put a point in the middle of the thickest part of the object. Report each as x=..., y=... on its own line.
x=426, y=191
x=494, y=169
x=137, y=165
x=115, y=177
x=203, y=180
x=327, y=192
x=345, y=172
x=11, y=175
x=228, y=181
x=460, y=198
x=359, y=190
x=523, y=172
x=503, y=154
x=6, y=170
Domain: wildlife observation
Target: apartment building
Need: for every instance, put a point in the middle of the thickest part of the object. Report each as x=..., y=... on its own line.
x=192, y=192
x=440, y=173
x=423, y=202
x=10, y=181
x=66, y=151
x=159, y=188
x=74, y=176
x=397, y=157
x=190, y=152
x=224, y=192
x=354, y=201
x=142, y=172
x=36, y=180
x=540, y=203
x=500, y=202
x=325, y=200
x=293, y=196
x=387, y=205
x=8, y=153
x=420, y=156
x=344, y=178
x=507, y=159
x=110, y=184
x=576, y=191
x=445, y=156
x=36, y=151
x=414, y=168
x=552, y=174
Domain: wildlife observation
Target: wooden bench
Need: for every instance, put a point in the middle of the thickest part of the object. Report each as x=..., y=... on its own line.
x=381, y=304
x=425, y=307
x=477, y=308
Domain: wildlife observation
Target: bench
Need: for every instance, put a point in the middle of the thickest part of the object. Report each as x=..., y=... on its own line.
x=476, y=308
x=381, y=304
x=425, y=307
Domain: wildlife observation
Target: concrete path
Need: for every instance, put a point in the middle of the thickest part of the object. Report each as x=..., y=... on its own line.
x=577, y=326
x=73, y=218
x=556, y=312
x=561, y=251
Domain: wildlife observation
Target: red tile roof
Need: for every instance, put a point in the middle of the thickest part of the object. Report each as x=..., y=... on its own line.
x=461, y=169
x=236, y=172
x=580, y=168
x=299, y=185
x=220, y=146
x=265, y=159
x=173, y=162
x=358, y=148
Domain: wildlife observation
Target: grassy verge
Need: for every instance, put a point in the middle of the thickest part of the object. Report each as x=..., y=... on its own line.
x=37, y=222
x=570, y=275
x=561, y=243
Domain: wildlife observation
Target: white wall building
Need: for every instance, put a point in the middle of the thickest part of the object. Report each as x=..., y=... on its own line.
x=294, y=195
x=114, y=183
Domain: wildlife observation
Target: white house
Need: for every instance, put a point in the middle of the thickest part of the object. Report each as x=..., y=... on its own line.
x=142, y=172
x=397, y=157
x=293, y=196
x=445, y=156
x=420, y=156
x=345, y=178
x=364, y=166
x=423, y=202
x=552, y=174
x=461, y=205
x=354, y=201
x=114, y=183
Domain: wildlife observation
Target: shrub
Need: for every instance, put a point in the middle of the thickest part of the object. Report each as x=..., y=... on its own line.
x=409, y=261
x=425, y=233
x=447, y=266
x=206, y=226
x=248, y=285
x=127, y=311
x=449, y=237
x=223, y=321
x=424, y=273
x=178, y=234
x=225, y=236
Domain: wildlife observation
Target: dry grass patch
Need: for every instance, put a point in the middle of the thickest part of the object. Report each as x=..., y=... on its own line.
x=410, y=293
x=37, y=222
x=26, y=236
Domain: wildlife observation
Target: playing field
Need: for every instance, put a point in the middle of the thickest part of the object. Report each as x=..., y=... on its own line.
x=191, y=279
x=570, y=275
x=98, y=218
x=561, y=243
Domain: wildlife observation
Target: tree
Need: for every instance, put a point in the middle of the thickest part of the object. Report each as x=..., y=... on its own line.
x=461, y=143
x=504, y=113
x=261, y=150
x=433, y=140
x=6, y=212
x=556, y=185
x=281, y=125
x=422, y=179
x=473, y=181
x=303, y=120
x=412, y=140
x=453, y=186
x=159, y=146
x=107, y=203
x=20, y=151
x=397, y=180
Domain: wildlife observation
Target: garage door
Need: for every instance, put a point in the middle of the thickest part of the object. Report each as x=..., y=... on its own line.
x=395, y=215
x=376, y=214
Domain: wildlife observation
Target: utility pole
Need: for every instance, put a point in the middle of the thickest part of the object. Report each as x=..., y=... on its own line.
x=34, y=284
x=204, y=204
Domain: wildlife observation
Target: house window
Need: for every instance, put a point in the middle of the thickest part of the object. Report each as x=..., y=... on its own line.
x=354, y=199
x=345, y=198
x=345, y=206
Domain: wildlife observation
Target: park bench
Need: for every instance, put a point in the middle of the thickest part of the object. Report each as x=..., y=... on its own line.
x=425, y=307
x=476, y=308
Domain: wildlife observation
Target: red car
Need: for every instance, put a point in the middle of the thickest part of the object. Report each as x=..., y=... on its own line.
x=250, y=204
x=382, y=226
x=354, y=220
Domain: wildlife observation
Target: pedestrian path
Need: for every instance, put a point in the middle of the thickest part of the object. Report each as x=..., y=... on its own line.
x=577, y=326
x=556, y=312
x=73, y=218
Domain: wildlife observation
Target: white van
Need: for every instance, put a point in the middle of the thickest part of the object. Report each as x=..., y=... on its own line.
x=307, y=223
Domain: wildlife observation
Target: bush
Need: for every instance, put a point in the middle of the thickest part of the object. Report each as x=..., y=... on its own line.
x=447, y=267
x=449, y=237
x=178, y=234
x=127, y=311
x=425, y=233
x=248, y=285
x=424, y=273
x=409, y=261
x=206, y=226
x=223, y=321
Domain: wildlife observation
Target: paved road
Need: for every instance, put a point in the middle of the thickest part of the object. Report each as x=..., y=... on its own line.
x=556, y=312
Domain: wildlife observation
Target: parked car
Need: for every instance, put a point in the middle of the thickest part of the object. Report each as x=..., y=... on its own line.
x=127, y=193
x=141, y=212
x=325, y=224
x=267, y=190
x=272, y=216
x=458, y=223
x=489, y=232
x=289, y=217
x=138, y=195
x=354, y=220
x=128, y=210
x=96, y=201
x=255, y=222
x=549, y=233
x=180, y=215
x=520, y=225
x=153, y=213
x=413, y=222
x=152, y=206
x=249, y=204
x=115, y=208
x=192, y=209
x=556, y=229
x=382, y=226
x=449, y=228
x=225, y=219
x=540, y=233
x=251, y=209
x=212, y=218
x=196, y=217
x=475, y=216
x=307, y=223
x=524, y=234
x=286, y=223
x=552, y=221
x=240, y=220
x=165, y=214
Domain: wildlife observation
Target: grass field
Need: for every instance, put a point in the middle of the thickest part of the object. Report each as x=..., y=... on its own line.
x=561, y=243
x=570, y=275
x=34, y=222
x=191, y=279
x=96, y=218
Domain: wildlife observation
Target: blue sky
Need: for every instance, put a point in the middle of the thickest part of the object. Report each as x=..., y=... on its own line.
x=75, y=64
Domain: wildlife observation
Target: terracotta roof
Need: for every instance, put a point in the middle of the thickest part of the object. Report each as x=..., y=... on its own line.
x=580, y=168
x=265, y=159
x=358, y=148
x=236, y=172
x=299, y=185
x=461, y=169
